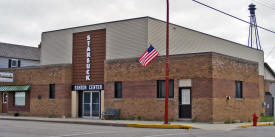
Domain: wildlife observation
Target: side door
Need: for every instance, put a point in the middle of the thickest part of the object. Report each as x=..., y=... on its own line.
x=185, y=103
x=5, y=103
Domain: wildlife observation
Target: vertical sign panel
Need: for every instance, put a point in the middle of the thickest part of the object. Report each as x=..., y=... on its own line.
x=89, y=52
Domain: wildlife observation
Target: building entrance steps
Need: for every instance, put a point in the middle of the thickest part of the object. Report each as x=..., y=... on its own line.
x=129, y=123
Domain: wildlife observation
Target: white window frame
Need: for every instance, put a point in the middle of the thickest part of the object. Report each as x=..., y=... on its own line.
x=16, y=63
x=18, y=95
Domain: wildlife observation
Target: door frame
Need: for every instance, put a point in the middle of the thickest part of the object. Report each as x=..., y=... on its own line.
x=91, y=102
x=179, y=99
x=3, y=96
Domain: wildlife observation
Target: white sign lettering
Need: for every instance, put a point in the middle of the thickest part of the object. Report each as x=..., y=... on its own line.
x=6, y=77
x=88, y=56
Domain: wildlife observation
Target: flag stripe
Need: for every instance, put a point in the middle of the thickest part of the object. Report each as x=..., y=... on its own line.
x=151, y=57
x=150, y=54
x=141, y=60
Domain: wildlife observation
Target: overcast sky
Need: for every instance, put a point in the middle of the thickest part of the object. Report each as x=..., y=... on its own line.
x=23, y=21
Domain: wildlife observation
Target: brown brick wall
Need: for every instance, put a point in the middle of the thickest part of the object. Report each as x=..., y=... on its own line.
x=181, y=66
x=139, y=99
x=140, y=86
x=235, y=109
x=11, y=103
x=39, y=79
x=231, y=68
x=227, y=70
x=213, y=77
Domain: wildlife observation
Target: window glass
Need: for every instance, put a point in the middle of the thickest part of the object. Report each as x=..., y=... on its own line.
x=52, y=91
x=238, y=89
x=118, y=89
x=161, y=89
x=20, y=98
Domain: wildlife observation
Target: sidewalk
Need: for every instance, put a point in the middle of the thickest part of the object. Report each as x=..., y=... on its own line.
x=125, y=123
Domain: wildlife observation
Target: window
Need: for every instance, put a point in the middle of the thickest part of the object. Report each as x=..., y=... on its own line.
x=118, y=89
x=239, y=89
x=20, y=98
x=161, y=89
x=14, y=63
x=52, y=91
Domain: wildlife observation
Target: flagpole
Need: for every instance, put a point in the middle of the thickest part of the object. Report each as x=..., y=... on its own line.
x=167, y=66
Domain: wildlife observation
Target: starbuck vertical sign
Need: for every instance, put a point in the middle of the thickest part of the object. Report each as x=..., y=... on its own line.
x=88, y=58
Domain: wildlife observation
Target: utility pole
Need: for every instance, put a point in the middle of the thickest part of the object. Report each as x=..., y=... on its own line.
x=167, y=66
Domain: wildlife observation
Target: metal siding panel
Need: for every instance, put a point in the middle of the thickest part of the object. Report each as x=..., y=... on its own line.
x=25, y=63
x=185, y=41
x=127, y=39
x=4, y=62
x=56, y=47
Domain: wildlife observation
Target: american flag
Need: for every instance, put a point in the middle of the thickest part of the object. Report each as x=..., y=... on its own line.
x=150, y=54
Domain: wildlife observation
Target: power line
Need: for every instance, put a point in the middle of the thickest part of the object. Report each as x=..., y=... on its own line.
x=269, y=1
x=240, y=20
x=232, y=16
x=266, y=2
x=265, y=5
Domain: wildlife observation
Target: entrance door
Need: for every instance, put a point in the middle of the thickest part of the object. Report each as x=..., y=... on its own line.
x=185, y=107
x=5, y=103
x=91, y=104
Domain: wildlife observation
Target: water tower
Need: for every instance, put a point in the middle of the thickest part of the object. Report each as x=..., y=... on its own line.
x=253, y=38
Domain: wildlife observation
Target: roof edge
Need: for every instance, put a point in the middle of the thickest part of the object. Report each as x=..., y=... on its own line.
x=97, y=24
x=206, y=34
x=148, y=17
x=25, y=46
x=269, y=69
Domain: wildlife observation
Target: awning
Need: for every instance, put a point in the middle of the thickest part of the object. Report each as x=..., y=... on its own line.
x=14, y=88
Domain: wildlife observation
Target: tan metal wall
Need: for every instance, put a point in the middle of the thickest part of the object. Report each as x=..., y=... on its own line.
x=183, y=41
x=130, y=38
x=123, y=40
x=56, y=46
x=126, y=39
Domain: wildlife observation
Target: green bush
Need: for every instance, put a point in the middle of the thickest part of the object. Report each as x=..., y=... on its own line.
x=266, y=119
x=227, y=122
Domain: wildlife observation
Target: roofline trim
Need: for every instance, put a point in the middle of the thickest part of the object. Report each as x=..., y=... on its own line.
x=25, y=46
x=20, y=58
x=269, y=69
x=98, y=24
x=148, y=17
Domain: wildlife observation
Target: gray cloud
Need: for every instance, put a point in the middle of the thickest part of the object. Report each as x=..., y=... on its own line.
x=22, y=22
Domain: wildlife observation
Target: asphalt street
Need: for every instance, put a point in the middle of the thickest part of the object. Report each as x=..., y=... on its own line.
x=11, y=128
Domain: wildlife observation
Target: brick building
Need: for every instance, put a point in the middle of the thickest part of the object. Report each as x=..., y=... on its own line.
x=33, y=84
x=211, y=79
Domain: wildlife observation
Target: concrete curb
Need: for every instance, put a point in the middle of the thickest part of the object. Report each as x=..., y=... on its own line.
x=173, y=126
x=167, y=126
x=70, y=122
x=259, y=124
